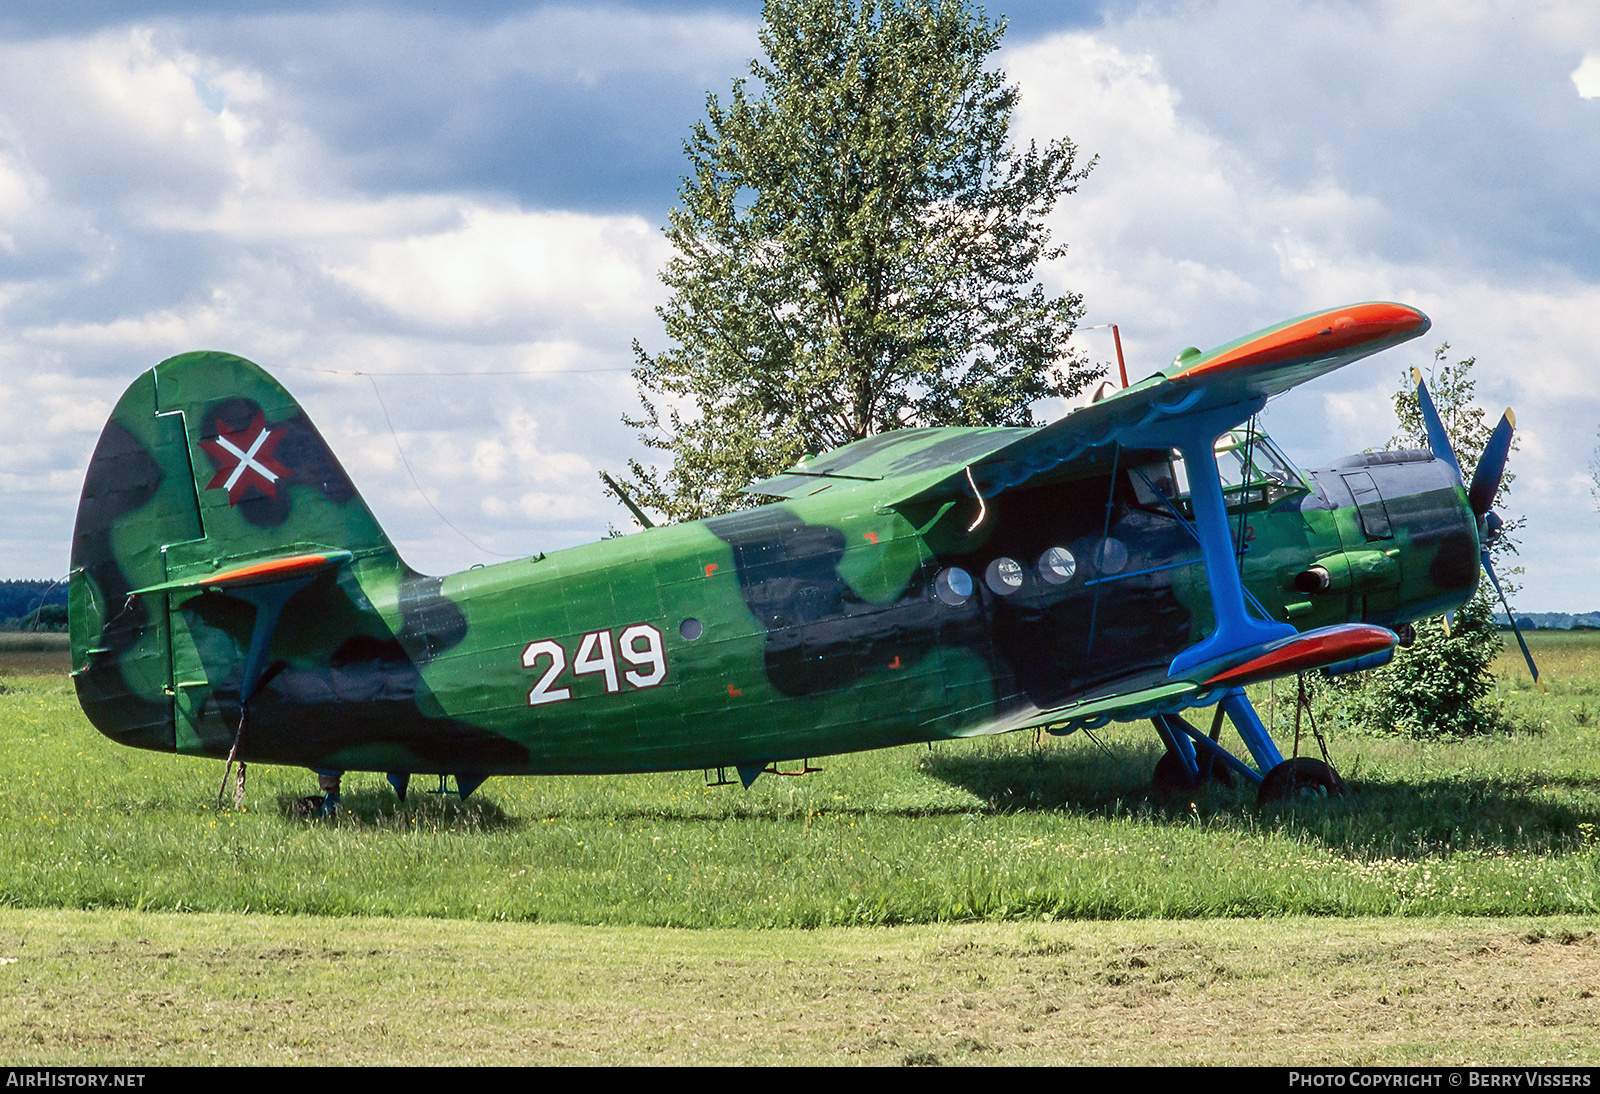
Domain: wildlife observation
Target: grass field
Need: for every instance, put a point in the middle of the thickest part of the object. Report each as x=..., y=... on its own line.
x=988, y=840
x=126, y=988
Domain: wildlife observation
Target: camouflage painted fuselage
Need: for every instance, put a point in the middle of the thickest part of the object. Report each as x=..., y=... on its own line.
x=813, y=626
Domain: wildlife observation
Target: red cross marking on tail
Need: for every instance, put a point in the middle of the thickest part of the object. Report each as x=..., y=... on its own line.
x=243, y=458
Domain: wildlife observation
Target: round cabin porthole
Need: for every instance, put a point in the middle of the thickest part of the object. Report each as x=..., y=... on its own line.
x=1111, y=557
x=1004, y=576
x=953, y=586
x=1057, y=566
x=690, y=629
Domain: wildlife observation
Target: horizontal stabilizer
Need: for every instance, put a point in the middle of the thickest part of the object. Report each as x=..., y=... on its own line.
x=261, y=571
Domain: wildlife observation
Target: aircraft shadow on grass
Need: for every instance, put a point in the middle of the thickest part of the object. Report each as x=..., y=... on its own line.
x=379, y=808
x=1394, y=817
x=1387, y=817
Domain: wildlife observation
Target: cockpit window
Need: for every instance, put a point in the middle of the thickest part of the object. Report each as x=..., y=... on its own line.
x=1253, y=471
x=1157, y=481
x=1246, y=459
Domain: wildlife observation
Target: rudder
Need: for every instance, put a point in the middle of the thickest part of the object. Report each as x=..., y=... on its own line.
x=205, y=460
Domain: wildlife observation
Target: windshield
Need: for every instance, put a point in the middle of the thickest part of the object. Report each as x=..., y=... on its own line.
x=1251, y=459
x=1252, y=469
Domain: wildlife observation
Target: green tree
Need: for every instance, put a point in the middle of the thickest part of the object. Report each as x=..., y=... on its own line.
x=856, y=249
x=1453, y=389
x=1442, y=685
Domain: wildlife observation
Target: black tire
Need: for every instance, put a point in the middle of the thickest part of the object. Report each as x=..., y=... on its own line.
x=1298, y=778
x=1213, y=768
x=1171, y=777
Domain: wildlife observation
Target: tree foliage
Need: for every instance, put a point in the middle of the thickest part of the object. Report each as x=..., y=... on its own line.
x=1442, y=685
x=33, y=605
x=1453, y=390
x=855, y=251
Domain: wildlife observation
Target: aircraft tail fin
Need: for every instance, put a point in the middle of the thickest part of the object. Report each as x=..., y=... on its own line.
x=207, y=464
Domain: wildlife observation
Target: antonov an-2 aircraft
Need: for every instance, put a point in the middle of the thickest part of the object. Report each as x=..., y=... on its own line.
x=233, y=597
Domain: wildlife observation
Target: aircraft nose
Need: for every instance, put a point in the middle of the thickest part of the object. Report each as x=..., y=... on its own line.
x=1436, y=534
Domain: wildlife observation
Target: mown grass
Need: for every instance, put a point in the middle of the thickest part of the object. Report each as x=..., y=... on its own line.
x=1007, y=828
x=127, y=989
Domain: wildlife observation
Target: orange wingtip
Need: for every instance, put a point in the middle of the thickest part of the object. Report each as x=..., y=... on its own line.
x=1314, y=649
x=1325, y=333
x=273, y=569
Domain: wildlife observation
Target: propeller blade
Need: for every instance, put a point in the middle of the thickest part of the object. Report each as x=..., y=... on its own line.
x=1488, y=568
x=1492, y=465
x=1438, y=439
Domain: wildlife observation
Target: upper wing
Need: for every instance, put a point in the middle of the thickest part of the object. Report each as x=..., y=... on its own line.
x=1243, y=373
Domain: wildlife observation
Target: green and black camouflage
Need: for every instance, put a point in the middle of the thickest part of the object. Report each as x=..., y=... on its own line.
x=923, y=584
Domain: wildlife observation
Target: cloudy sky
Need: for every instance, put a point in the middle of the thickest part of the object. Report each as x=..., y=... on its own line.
x=384, y=188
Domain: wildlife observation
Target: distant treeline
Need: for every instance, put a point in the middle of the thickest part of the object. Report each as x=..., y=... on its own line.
x=29, y=605
x=1554, y=621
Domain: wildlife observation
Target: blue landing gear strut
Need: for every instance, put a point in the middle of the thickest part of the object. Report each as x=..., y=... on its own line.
x=328, y=783
x=1193, y=756
x=1236, y=630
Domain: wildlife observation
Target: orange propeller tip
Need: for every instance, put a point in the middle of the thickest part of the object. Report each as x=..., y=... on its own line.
x=1510, y=417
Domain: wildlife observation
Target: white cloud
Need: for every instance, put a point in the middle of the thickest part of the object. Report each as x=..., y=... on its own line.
x=1171, y=222
x=142, y=221
x=114, y=118
x=17, y=195
x=508, y=267
x=1586, y=77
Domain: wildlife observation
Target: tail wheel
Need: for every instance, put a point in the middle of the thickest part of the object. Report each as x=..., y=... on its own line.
x=1301, y=777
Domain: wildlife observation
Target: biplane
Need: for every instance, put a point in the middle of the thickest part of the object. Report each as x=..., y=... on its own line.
x=233, y=597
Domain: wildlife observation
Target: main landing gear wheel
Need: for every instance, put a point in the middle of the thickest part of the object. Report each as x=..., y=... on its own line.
x=1171, y=777
x=310, y=806
x=1301, y=777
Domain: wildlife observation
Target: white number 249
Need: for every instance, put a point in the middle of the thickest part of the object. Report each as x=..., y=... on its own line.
x=639, y=645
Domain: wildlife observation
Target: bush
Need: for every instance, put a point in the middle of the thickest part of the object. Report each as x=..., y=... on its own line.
x=1439, y=687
